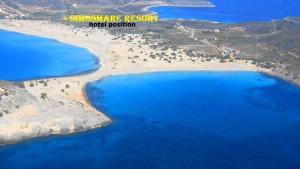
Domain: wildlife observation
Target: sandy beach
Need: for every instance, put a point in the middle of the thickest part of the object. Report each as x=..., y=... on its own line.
x=67, y=106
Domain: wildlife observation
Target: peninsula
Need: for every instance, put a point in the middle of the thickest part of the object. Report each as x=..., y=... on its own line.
x=64, y=108
x=59, y=106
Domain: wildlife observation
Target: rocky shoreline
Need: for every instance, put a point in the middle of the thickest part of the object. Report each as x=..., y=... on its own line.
x=27, y=116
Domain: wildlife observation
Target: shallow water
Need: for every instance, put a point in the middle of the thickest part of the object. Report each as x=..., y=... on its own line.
x=178, y=120
x=233, y=11
x=28, y=57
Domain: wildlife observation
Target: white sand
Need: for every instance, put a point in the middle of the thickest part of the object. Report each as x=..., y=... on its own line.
x=113, y=55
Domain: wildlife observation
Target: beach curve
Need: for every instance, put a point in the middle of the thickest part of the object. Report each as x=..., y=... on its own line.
x=114, y=61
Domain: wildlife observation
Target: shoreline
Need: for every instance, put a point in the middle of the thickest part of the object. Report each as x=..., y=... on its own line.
x=147, y=9
x=110, y=64
x=13, y=142
x=209, y=5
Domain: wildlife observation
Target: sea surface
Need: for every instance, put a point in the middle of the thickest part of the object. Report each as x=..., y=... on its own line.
x=234, y=11
x=24, y=57
x=178, y=120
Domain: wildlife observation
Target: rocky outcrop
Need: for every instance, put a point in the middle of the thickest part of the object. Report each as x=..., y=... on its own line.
x=25, y=116
x=13, y=97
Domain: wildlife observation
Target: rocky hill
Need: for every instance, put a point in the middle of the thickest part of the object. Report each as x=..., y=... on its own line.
x=24, y=115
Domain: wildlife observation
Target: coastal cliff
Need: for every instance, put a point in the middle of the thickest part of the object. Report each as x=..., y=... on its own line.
x=24, y=115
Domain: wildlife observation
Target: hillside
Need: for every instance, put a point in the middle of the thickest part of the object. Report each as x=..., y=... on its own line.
x=54, y=9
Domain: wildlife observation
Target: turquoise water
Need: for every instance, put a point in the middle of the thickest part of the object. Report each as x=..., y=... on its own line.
x=27, y=57
x=233, y=11
x=178, y=120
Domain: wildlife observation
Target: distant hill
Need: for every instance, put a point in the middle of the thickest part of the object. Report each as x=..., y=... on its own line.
x=49, y=9
x=60, y=4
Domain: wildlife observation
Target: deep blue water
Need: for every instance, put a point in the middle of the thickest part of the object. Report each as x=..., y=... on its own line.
x=178, y=120
x=25, y=57
x=233, y=11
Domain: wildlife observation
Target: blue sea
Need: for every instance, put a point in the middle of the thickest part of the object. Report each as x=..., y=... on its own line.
x=234, y=11
x=178, y=120
x=26, y=57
